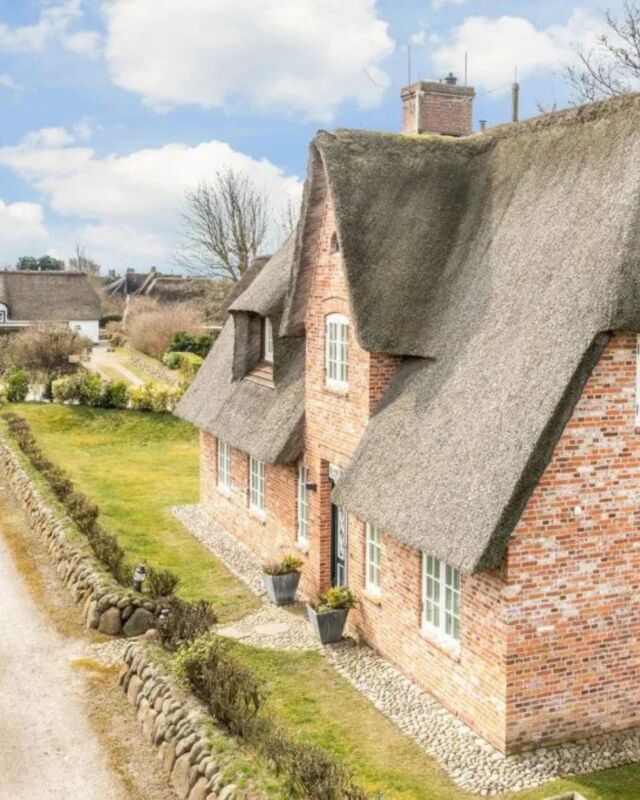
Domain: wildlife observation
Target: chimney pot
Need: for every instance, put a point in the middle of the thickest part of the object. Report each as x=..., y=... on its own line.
x=451, y=79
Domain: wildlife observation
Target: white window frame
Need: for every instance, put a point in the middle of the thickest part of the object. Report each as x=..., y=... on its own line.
x=4, y=313
x=441, y=600
x=267, y=340
x=257, y=480
x=337, y=351
x=373, y=559
x=303, y=506
x=638, y=381
x=224, y=466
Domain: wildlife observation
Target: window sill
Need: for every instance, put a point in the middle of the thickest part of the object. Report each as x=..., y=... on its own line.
x=258, y=514
x=373, y=596
x=225, y=490
x=336, y=391
x=303, y=547
x=449, y=647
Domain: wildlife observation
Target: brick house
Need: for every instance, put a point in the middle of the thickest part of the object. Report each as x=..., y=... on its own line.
x=430, y=393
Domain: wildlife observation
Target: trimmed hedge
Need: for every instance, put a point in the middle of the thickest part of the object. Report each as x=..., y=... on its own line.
x=236, y=699
x=89, y=389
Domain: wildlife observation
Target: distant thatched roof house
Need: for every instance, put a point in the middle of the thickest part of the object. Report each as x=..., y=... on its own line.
x=28, y=298
x=169, y=288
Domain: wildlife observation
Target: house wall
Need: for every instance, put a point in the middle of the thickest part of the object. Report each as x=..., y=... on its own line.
x=573, y=566
x=271, y=536
x=89, y=328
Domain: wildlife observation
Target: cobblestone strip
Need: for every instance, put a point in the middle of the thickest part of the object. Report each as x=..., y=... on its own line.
x=467, y=758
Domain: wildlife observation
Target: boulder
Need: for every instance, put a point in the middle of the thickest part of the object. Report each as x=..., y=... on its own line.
x=228, y=793
x=138, y=623
x=199, y=791
x=181, y=777
x=93, y=615
x=110, y=622
x=133, y=690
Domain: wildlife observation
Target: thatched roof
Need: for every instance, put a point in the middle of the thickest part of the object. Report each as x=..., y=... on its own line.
x=498, y=263
x=48, y=296
x=264, y=421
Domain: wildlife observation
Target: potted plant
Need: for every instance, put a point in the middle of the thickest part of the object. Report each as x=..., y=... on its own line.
x=281, y=579
x=330, y=615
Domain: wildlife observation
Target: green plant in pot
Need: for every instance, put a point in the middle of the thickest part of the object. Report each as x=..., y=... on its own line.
x=281, y=579
x=329, y=617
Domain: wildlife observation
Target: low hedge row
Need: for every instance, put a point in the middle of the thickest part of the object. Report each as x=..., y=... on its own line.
x=236, y=699
x=89, y=389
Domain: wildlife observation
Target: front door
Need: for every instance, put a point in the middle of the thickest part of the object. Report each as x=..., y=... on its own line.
x=339, y=545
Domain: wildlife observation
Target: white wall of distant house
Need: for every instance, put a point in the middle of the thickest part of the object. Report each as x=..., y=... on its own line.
x=87, y=327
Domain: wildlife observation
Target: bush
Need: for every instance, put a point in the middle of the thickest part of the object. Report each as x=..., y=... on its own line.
x=116, y=394
x=154, y=397
x=91, y=389
x=107, y=318
x=151, y=326
x=189, y=364
x=16, y=384
x=183, y=622
x=171, y=360
x=337, y=597
x=184, y=342
x=288, y=565
x=162, y=582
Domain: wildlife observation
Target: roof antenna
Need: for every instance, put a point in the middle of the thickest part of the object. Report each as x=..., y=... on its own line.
x=409, y=63
x=515, y=98
x=466, y=68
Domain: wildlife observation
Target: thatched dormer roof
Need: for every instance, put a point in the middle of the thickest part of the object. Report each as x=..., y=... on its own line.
x=262, y=420
x=48, y=296
x=498, y=264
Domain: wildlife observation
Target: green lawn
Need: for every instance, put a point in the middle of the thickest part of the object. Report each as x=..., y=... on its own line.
x=136, y=466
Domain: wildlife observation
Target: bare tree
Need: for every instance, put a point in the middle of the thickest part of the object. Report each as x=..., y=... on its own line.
x=224, y=226
x=289, y=216
x=612, y=67
x=82, y=262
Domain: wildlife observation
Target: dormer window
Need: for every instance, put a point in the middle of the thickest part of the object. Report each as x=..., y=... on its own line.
x=267, y=340
x=337, y=351
x=334, y=246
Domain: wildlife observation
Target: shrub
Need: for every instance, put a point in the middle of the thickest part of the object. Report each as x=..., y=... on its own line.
x=171, y=359
x=16, y=384
x=184, y=342
x=154, y=397
x=337, y=597
x=162, y=582
x=3, y=394
x=116, y=394
x=184, y=622
x=151, y=326
x=189, y=364
x=107, y=318
x=288, y=565
x=91, y=389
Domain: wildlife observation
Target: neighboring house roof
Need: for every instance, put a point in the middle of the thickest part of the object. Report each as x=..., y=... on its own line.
x=499, y=263
x=264, y=421
x=48, y=296
x=129, y=283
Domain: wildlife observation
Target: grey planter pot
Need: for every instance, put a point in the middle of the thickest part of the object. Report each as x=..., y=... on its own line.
x=282, y=588
x=329, y=625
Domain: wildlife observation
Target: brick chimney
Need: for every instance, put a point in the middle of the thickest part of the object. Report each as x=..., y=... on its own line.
x=438, y=107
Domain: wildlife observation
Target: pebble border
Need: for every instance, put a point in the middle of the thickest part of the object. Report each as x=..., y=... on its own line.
x=175, y=725
x=470, y=761
x=104, y=608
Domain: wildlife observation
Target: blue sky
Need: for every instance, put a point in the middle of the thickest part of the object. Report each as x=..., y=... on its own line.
x=111, y=108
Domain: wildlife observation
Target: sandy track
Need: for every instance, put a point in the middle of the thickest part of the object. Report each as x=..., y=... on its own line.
x=48, y=749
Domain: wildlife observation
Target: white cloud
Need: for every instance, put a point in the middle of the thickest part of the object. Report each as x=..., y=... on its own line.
x=127, y=207
x=21, y=229
x=296, y=56
x=7, y=82
x=497, y=46
x=438, y=4
x=53, y=24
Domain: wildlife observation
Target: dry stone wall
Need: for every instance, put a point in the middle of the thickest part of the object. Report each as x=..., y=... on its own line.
x=175, y=723
x=105, y=606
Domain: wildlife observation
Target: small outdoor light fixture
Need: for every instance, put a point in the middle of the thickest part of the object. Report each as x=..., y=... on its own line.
x=311, y=487
x=138, y=577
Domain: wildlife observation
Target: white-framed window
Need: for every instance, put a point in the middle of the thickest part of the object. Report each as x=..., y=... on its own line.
x=440, y=598
x=373, y=559
x=337, y=351
x=224, y=465
x=638, y=381
x=3, y=313
x=303, y=506
x=267, y=340
x=256, y=485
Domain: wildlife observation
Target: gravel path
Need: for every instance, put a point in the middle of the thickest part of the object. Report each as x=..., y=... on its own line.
x=105, y=364
x=48, y=750
x=468, y=759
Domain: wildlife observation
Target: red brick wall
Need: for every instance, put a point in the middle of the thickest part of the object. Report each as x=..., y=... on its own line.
x=444, y=109
x=573, y=653
x=270, y=537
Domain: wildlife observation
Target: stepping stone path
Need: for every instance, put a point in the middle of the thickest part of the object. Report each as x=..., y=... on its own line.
x=467, y=758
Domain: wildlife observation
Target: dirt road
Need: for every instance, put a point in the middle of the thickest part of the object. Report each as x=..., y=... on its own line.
x=109, y=366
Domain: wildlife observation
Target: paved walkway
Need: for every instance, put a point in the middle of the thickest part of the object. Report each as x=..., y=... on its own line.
x=48, y=750
x=468, y=759
x=106, y=364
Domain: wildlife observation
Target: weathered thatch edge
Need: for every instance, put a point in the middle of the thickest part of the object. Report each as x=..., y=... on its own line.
x=78, y=570
x=175, y=723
